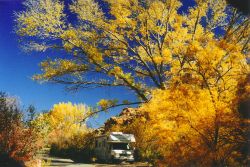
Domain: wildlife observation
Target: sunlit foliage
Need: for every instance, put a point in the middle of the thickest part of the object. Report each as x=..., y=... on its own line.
x=41, y=128
x=65, y=121
x=184, y=126
x=18, y=142
x=63, y=130
x=186, y=63
x=136, y=44
x=69, y=135
x=199, y=133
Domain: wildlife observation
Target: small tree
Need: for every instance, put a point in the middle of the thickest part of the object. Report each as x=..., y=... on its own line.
x=17, y=142
x=69, y=135
x=66, y=120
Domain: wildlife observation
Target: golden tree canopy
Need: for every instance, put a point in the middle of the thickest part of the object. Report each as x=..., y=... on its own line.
x=137, y=44
x=66, y=121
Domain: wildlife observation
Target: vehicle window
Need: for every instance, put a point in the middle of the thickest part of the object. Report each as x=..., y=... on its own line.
x=121, y=146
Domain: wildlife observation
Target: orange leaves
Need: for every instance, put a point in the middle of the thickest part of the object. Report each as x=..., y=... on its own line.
x=17, y=140
x=186, y=122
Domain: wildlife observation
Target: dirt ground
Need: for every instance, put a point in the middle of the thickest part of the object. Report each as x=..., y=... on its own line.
x=60, y=162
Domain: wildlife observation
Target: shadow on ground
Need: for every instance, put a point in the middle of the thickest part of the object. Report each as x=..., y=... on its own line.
x=61, y=162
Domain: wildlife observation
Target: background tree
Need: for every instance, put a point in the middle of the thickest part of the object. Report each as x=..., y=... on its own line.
x=65, y=121
x=17, y=141
x=134, y=44
x=68, y=135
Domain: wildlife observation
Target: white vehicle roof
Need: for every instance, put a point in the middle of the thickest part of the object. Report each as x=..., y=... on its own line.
x=120, y=137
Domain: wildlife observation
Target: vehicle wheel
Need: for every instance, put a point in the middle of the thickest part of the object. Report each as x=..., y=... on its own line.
x=115, y=161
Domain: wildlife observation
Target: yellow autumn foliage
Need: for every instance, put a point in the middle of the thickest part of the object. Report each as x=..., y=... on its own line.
x=136, y=42
x=181, y=126
x=65, y=121
x=187, y=66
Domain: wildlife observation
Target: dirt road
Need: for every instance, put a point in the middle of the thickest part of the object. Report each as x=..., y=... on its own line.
x=60, y=162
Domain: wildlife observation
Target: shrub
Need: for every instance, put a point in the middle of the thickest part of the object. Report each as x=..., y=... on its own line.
x=69, y=136
x=17, y=141
x=78, y=148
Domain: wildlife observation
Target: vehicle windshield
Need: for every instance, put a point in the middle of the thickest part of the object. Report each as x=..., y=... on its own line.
x=121, y=146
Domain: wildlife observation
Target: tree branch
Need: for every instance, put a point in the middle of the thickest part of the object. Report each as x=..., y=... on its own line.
x=112, y=106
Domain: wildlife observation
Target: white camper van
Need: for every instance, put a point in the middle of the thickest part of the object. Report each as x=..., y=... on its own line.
x=115, y=146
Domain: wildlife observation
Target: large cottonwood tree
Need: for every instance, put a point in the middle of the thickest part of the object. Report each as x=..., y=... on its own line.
x=137, y=44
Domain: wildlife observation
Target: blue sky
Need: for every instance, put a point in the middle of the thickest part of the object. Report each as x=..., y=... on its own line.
x=17, y=68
